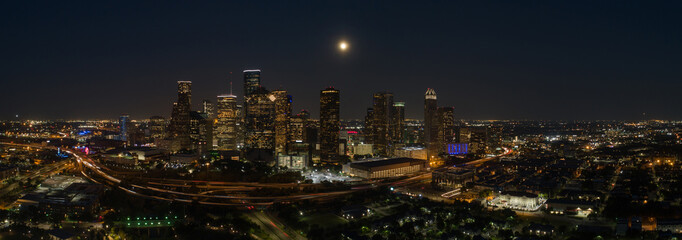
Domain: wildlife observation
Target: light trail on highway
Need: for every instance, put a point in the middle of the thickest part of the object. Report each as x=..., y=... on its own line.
x=154, y=192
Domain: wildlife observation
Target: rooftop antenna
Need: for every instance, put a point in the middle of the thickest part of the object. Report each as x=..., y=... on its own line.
x=230, y=88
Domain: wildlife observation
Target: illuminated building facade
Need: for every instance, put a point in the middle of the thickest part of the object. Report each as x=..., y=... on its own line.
x=293, y=162
x=329, y=124
x=201, y=132
x=226, y=123
x=260, y=120
x=123, y=123
x=431, y=124
x=208, y=108
x=251, y=81
x=368, y=131
x=476, y=137
x=382, y=122
x=282, y=120
x=451, y=178
x=384, y=168
x=398, y=122
x=180, y=118
x=297, y=127
x=446, y=127
x=157, y=127
x=457, y=148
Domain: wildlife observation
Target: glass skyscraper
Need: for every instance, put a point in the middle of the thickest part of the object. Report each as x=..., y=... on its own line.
x=329, y=124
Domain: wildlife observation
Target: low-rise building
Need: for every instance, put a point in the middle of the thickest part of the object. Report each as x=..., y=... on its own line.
x=184, y=158
x=411, y=152
x=133, y=155
x=64, y=195
x=570, y=207
x=384, y=168
x=451, y=178
x=293, y=162
x=362, y=149
x=523, y=201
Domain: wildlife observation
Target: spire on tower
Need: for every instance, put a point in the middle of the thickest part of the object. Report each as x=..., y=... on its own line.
x=430, y=93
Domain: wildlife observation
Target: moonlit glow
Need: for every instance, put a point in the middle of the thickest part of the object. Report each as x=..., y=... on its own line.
x=343, y=46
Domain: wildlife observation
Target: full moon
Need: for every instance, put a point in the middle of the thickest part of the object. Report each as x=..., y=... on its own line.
x=343, y=46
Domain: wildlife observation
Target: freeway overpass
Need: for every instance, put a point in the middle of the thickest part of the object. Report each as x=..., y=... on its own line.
x=215, y=192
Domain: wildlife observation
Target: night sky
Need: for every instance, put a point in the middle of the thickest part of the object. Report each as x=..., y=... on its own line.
x=494, y=60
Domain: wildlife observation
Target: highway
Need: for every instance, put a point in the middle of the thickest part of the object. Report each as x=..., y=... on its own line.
x=88, y=165
x=43, y=172
x=216, y=193
x=271, y=226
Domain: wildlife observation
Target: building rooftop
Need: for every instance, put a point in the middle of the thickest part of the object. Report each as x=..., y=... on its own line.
x=372, y=163
x=519, y=194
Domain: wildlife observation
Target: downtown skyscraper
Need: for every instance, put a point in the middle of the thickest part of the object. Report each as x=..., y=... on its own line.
x=251, y=81
x=283, y=110
x=431, y=124
x=201, y=132
x=226, y=123
x=260, y=120
x=208, y=108
x=398, y=122
x=180, y=117
x=329, y=124
x=382, y=125
x=446, y=127
x=124, y=124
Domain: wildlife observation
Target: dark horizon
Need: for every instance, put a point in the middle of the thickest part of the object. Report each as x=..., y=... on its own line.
x=534, y=61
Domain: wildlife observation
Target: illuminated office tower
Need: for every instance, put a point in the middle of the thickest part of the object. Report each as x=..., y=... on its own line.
x=446, y=127
x=201, y=132
x=241, y=126
x=382, y=123
x=431, y=124
x=300, y=143
x=251, y=81
x=398, y=122
x=157, y=128
x=282, y=119
x=208, y=108
x=329, y=124
x=226, y=123
x=297, y=127
x=123, y=123
x=260, y=120
x=368, y=131
x=478, y=140
x=180, y=118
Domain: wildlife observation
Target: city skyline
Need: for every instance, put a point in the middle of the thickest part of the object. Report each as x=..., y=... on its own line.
x=549, y=61
x=341, y=120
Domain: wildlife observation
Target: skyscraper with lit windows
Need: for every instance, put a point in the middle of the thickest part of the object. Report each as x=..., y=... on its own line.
x=180, y=118
x=123, y=124
x=382, y=123
x=398, y=123
x=329, y=124
x=251, y=81
x=260, y=120
x=368, y=131
x=157, y=128
x=208, y=108
x=226, y=123
x=282, y=119
x=431, y=124
x=446, y=127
